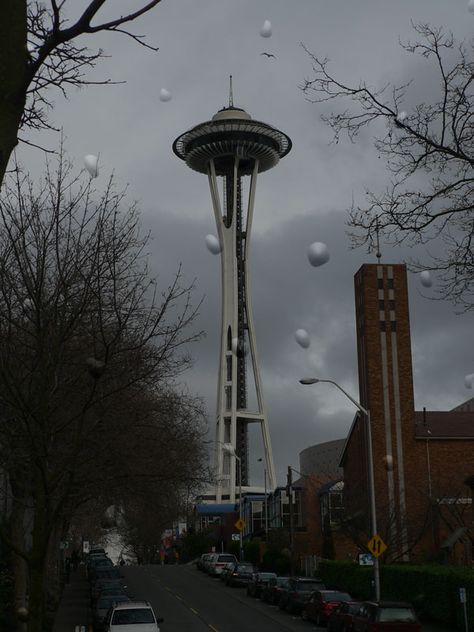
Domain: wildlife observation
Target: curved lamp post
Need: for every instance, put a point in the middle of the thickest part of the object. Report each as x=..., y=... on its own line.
x=370, y=457
x=229, y=449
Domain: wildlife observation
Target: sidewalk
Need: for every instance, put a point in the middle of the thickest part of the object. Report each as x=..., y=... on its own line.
x=74, y=614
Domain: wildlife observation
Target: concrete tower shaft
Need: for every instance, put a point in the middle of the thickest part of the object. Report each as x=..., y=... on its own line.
x=232, y=146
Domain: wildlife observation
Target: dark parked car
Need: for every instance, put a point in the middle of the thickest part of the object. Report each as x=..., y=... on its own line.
x=258, y=582
x=342, y=617
x=272, y=591
x=297, y=593
x=115, y=585
x=240, y=575
x=386, y=616
x=321, y=603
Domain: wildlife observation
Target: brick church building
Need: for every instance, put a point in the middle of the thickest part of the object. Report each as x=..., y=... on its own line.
x=423, y=460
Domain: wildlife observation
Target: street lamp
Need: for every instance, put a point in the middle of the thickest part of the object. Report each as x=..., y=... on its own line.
x=370, y=457
x=265, y=488
x=229, y=449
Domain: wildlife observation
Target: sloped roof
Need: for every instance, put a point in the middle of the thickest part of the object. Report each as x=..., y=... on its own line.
x=444, y=425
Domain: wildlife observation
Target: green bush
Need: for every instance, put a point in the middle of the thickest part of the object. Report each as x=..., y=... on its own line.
x=432, y=589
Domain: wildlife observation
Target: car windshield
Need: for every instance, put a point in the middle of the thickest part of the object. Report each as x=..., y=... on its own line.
x=265, y=576
x=226, y=558
x=133, y=615
x=396, y=614
x=335, y=595
x=282, y=581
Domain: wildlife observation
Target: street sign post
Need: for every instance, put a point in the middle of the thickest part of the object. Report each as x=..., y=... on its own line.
x=376, y=545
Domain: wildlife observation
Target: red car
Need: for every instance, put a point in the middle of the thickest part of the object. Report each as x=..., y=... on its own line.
x=322, y=603
x=386, y=616
x=341, y=618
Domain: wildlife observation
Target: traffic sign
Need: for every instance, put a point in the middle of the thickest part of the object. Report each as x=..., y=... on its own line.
x=240, y=524
x=236, y=536
x=376, y=545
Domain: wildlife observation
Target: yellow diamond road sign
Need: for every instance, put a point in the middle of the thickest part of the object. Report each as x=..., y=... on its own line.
x=240, y=524
x=376, y=545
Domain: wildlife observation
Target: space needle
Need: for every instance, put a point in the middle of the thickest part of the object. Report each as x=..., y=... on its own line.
x=234, y=147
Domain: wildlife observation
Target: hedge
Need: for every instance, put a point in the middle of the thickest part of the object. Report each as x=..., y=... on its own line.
x=432, y=589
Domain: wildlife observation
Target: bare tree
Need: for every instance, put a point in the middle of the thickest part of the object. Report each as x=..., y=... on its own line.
x=429, y=154
x=83, y=331
x=39, y=52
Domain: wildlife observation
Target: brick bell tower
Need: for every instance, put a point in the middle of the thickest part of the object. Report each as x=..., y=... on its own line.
x=386, y=389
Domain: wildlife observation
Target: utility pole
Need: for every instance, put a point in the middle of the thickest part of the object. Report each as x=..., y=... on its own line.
x=289, y=491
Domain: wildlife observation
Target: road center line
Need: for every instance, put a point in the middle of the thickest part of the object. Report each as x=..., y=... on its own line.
x=213, y=628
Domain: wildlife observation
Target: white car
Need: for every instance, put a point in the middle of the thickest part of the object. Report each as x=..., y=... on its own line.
x=218, y=562
x=132, y=616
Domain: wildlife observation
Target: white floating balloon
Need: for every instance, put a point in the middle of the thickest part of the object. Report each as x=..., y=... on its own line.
x=165, y=95
x=239, y=347
x=318, y=254
x=402, y=116
x=91, y=163
x=425, y=278
x=213, y=244
x=469, y=380
x=266, y=30
x=302, y=338
x=470, y=6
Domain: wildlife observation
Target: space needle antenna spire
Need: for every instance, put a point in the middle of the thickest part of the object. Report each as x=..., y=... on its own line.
x=234, y=148
x=231, y=95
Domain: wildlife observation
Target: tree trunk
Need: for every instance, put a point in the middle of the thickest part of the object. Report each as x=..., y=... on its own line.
x=36, y=601
x=13, y=66
x=17, y=524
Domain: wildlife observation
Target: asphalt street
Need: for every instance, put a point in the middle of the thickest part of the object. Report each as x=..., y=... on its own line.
x=190, y=601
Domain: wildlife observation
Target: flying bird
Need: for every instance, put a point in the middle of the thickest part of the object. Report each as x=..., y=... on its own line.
x=268, y=55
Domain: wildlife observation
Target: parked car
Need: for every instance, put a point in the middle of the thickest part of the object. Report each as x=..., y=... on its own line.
x=216, y=565
x=257, y=583
x=136, y=616
x=104, y=572
x=272, y=591
x=386, y=616
x=114, y=584
x=240, y=574
x=209, y=561
x=342, y=617
x=321, y=603
x=102, y=606
x=297, y=593
x=201, y=563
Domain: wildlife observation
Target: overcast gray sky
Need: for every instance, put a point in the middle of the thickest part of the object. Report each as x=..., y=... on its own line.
x=304, y=199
